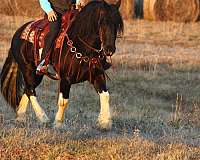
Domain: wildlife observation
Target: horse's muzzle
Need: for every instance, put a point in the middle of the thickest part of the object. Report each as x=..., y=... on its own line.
x=109, y=50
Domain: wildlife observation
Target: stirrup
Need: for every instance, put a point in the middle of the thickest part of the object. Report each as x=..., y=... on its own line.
x=41, y=68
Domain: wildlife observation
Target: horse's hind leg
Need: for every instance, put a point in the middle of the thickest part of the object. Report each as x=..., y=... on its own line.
x=104, y=119
x=31, y=82
x=62, y=103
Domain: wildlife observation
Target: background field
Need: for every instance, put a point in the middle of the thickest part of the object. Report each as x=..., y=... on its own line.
x=155, y=101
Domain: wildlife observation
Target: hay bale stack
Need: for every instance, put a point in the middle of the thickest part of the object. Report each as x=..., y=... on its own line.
x=171, y=10
x=21, y=7
x=182, y=10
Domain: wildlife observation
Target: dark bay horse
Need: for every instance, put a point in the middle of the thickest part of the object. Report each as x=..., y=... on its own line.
x=89, y=40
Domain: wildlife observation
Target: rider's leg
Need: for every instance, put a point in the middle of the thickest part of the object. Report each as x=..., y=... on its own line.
x=54, y=28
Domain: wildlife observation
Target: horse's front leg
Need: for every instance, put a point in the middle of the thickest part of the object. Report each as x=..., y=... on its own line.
x=62, y=103
x=104, y=119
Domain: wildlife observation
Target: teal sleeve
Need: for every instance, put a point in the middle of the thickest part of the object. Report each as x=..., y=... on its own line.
x=45, y=5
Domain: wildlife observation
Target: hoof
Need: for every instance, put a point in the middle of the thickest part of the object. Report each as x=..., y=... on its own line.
x=44, y=119
x=58, y=125
x=104, y=124
x=20, y=118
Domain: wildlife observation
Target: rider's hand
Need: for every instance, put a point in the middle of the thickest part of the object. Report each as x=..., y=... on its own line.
x=52, y=16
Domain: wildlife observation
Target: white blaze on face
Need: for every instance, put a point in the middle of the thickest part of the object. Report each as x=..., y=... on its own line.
x=38, y=110
x=23, y=105
x=104, y=116
x=62, y=104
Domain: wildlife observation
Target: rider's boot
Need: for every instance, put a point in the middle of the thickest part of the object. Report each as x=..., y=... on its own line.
x=44, y=68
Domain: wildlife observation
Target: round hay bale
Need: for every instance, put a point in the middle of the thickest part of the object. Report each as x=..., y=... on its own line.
x=128, y=9
x=182, y=10
x=146, y=12
x=172, y=10
x=153, y=10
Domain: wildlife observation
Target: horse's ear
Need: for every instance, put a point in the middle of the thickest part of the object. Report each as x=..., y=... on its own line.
x=118, y=4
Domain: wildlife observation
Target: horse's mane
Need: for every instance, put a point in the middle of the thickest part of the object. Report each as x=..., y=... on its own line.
x=86, y=21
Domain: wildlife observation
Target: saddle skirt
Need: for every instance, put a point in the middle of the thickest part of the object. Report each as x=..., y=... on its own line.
x=36, y=31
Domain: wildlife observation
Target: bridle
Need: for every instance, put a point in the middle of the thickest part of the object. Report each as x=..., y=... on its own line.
x=79, y=55
x=92, y=61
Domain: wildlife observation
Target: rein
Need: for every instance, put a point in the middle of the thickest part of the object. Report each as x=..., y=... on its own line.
x=80, y=55
x=89, y=46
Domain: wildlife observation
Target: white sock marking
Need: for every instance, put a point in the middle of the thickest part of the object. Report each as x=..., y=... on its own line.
x=62, y=104
x=20, y=116
x=23, y=105
x=105, y=116
x=38, y=110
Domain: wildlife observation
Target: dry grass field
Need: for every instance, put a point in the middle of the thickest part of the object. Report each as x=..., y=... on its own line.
x=155, y=101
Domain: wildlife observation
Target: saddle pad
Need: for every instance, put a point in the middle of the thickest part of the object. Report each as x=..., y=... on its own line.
x=29, y=34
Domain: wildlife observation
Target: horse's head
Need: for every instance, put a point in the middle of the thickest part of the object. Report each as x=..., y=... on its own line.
x=110, y=24
x=97, y=25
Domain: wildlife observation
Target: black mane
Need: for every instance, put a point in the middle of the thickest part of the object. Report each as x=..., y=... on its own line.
x=86, y=21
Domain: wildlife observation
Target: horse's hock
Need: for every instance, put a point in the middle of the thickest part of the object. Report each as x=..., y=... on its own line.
x=171, y=10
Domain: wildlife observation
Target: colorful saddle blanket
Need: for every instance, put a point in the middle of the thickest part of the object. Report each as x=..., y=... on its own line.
x=36, y=31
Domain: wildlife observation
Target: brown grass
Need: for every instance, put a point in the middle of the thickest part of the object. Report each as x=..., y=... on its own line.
x=21, y=7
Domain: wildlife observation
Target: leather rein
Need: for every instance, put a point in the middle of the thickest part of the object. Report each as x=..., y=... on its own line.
x=89, y=46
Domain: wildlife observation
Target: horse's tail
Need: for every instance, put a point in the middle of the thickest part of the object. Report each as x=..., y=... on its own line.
x=12, y=82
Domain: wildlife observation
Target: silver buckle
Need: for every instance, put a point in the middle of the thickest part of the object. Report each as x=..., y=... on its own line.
x=73, y=49
x=101, y=57
x=78, y=55
x=86, y=59
x=70, y=43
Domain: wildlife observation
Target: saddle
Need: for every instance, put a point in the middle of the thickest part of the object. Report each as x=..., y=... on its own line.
x=36, y=31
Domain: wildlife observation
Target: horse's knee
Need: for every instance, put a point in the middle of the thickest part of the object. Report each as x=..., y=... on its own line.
x=61, y=101
x=30, y=92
